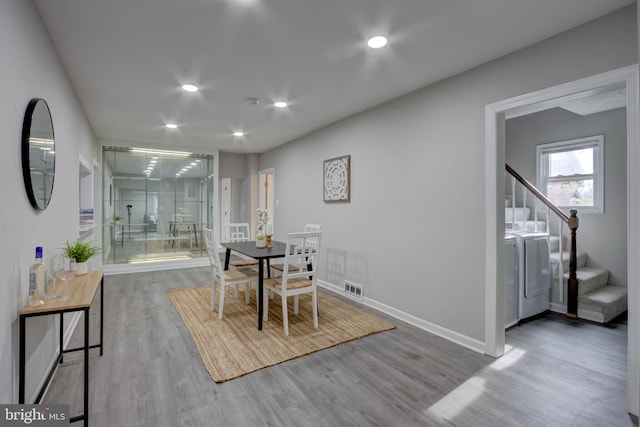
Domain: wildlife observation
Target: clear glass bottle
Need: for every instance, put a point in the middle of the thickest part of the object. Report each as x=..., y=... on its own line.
x=37, y=280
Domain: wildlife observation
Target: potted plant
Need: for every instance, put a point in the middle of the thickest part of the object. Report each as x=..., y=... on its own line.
x=81, y=252
x=261, y=241
x=116, y=219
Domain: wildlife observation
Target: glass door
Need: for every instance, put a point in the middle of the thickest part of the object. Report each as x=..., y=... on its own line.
x=155, y=203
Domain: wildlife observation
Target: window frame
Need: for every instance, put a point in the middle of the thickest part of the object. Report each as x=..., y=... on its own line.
x=597, y=143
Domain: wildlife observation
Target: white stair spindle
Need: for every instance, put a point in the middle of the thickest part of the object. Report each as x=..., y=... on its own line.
x=524, y=206
x=561, y=268
x=548, y=230
x=513, y=203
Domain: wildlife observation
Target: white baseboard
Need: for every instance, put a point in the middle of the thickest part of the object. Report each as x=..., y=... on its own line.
x=447, y=334
x=583, y=312
x=110, y=269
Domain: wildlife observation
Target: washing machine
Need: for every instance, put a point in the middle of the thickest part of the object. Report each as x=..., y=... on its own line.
x=534, y=273
x=510, y=281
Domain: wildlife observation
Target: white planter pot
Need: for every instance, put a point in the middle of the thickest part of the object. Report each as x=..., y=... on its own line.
x=82, y=267
x=261, y=243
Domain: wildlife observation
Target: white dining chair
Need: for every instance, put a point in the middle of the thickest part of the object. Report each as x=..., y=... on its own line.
x=240, y=232
x=276, y=269
x=231, y=277
x=298, y=275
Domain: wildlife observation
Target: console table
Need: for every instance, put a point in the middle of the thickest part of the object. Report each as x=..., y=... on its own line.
x=82, y=290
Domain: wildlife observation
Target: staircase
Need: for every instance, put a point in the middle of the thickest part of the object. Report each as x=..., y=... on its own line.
x=597, y=300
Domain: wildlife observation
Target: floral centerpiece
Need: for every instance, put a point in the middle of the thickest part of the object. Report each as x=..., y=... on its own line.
x=263, y=219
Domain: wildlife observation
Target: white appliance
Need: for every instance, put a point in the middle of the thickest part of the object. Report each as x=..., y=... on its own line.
x=510, y=281
x=534, y=273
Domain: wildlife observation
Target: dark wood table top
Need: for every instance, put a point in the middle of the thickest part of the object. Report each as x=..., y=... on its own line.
x=249, y=249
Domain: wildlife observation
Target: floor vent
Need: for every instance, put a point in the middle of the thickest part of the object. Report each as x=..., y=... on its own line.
x=353, y=290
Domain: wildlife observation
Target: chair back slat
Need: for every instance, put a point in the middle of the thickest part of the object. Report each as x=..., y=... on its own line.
x=239, y=232
x=312, y=228
x=301, y=258
x=214, y=255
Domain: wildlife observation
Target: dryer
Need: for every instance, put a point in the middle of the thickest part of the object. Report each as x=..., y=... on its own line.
x=534, y=273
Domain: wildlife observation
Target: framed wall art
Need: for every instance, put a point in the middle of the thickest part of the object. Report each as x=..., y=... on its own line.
x=337, y=179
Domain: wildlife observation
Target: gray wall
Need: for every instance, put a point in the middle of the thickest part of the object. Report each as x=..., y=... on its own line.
x=603, y=236
x=30, y=68
x=414, y=232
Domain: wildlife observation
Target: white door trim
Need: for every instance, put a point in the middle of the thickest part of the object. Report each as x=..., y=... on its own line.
x=225, y=184
x=494, y=181
x=270, y=202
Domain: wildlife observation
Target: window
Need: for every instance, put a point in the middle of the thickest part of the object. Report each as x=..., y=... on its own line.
x=571, y=173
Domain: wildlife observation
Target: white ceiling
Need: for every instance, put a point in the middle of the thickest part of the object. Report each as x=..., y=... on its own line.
x=128, y=58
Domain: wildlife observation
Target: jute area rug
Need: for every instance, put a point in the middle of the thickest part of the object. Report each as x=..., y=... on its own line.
x=234, y=346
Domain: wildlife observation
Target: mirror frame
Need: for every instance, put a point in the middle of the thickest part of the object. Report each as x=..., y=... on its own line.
x=27, y=129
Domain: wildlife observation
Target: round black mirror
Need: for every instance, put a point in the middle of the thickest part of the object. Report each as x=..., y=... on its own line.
x=38, y=153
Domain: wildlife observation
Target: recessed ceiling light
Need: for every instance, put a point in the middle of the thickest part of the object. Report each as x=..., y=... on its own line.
x=171, y=126
x=280, y=104
x=377, y=42
x=238, y=133
x=189, y=88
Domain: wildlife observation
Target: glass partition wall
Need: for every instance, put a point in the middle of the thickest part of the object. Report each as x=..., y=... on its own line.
x=155, y=204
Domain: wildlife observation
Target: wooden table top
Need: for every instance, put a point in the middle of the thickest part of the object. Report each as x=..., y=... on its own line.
x=249, y=249
x=82, y=289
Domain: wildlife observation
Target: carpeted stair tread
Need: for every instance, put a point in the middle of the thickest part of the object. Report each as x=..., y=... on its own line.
x=539, y=226
x=611, y=299
x=590, y=279
x=554, y=257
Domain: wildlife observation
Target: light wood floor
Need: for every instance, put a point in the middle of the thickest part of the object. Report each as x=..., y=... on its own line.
x=557, y=372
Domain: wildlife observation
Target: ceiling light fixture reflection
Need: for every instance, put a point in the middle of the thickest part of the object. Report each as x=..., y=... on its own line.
x=171, y=126
x=377, y=42
x=190, y=88
x=280, y=104
x=238, y=133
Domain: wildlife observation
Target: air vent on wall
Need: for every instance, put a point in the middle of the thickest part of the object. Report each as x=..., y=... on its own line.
x=353, y=290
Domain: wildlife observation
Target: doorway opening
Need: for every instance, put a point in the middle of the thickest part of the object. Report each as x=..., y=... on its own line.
x=495, y=116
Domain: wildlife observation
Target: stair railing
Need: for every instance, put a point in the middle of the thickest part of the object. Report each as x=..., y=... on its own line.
x=571, y=221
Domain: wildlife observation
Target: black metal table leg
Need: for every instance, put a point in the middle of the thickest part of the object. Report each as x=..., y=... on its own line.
x=22, y=360
x=86, y=367
x=260, y=293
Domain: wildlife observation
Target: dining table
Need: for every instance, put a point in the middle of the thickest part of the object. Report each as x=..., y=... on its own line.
x=249, y=248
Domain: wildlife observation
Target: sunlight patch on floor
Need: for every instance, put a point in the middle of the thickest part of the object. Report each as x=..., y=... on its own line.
x=511, y=356
x=447, y=408
x=142, y=258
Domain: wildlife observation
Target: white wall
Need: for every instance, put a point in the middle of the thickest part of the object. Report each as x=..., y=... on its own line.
x=30, y=68
x=413, y=233
x=603, y=236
